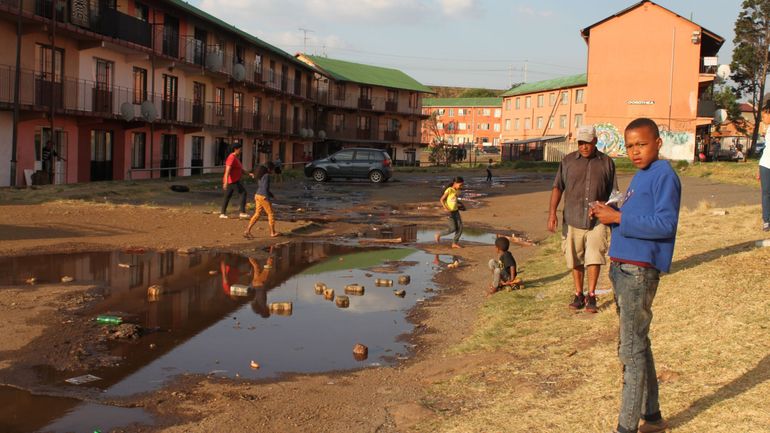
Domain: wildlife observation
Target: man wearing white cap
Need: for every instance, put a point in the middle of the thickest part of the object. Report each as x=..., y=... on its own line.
x=584, y=176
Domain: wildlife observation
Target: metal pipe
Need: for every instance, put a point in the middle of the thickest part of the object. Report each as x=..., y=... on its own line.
x=17, y=84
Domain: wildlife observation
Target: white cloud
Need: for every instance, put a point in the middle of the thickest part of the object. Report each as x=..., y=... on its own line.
x=459, y=8
x=531, y=11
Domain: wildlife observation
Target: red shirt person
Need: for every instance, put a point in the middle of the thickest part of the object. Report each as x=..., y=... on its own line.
x=231, y=181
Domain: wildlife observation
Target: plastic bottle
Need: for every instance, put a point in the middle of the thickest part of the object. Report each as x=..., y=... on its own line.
x=104, y=319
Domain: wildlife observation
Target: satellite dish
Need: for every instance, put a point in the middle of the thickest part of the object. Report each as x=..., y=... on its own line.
x=310, y=133
x=239, y=72
x=720, y=116
x=303, y=132
x=723, y=71
x=127, y=111
x=322, y=134
x=214, y=60
x=149, y=113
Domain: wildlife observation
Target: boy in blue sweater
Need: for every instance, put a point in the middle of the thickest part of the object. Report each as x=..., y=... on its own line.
x=642, y=246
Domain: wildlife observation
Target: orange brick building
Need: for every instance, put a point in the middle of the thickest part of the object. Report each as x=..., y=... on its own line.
x=462, y=121
x=644, y=61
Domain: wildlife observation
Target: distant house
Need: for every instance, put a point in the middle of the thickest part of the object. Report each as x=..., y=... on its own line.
x=464, y=121
x=366, y=106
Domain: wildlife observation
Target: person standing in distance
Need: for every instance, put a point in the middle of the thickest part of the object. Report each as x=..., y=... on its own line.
x=584, y=176
x=231, y=181
x=643, y=237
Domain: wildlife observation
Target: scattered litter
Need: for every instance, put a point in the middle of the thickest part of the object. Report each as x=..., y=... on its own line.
x=281, y=308
x=383, y=282
x=453, y=265
x=124, y=265
x=342, y=301
x=83, y=379
x=329, y=294
x=763, y=243
x=254, y=364
x=106, y=319
x=602, y=291
x=719, y=212
x=31, y=280
x=354, y=289
x=400, y=293
x=360, y=352
x=212, y=372
x=212, y=272
x=404, y=279
x=239, y=290
x=67, y=279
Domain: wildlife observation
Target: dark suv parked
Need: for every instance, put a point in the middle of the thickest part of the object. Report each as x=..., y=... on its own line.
x=372, y=164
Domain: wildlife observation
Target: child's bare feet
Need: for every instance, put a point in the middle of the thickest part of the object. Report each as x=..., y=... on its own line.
x=456, y=246
x=248, y=235
x=437, y=237
x=275, y=235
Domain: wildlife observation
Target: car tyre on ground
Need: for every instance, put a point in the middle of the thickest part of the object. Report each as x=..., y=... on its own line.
x=376, y=176
x=319, y=175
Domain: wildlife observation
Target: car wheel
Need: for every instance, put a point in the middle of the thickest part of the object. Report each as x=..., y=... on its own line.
x=376, y=176
x=319, y=175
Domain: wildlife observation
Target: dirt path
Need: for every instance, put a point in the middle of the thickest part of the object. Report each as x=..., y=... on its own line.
x=370, y=400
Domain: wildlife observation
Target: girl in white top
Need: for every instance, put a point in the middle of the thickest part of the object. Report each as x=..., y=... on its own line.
x=764, y=178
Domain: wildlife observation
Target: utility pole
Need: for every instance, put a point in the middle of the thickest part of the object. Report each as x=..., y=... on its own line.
x=17, y=83
x=510, y=77
x=525, y=71
x=305, y=38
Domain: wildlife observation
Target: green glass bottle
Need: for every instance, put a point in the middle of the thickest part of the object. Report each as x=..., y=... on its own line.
x=104, y=319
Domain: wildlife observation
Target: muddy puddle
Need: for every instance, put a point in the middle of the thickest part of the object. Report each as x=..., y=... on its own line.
x=416, y=234
x=226, y=315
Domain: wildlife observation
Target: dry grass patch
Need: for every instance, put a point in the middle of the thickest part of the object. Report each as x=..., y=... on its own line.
x=709, y=334
x=737, y=173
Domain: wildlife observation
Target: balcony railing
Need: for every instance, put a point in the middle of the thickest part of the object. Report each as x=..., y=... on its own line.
x=88, y=98
x=391, y=136
x=118, y=25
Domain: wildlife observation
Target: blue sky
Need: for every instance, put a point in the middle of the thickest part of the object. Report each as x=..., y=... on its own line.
x=470, y=43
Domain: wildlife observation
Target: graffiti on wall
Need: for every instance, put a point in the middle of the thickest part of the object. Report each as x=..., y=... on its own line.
x=677, y=145
x=610, y=140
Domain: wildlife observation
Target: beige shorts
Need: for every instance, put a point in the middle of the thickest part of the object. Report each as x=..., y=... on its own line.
x=586, y=247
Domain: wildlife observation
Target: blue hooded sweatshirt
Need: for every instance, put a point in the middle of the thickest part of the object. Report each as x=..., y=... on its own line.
x=650, y=215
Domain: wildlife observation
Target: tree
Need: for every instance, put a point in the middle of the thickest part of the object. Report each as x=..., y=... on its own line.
x=479, y=93
x=437, y=144
x=750, y=57
x=726, y=98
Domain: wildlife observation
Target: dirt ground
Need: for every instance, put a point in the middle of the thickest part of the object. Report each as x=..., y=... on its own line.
x=41, y=326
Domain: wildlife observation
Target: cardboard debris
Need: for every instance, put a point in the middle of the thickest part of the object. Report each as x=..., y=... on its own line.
x=83, y=379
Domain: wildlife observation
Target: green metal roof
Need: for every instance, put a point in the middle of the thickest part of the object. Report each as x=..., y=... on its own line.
x=248, y=37
x=341, y=70
x=462, y=102
x=553, y=84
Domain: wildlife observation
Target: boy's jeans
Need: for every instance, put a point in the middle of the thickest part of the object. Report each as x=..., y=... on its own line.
x=635, y=288
x=495, y=268
x=455, y=225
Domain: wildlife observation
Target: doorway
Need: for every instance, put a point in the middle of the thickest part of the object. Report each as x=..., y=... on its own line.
x=101, y=155
x=168, y=155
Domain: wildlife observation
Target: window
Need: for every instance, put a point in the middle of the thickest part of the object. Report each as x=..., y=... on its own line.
x=552, y=99
x=486, y=112
x=564, y=98
x=413, y=99
x=497, y=127
x=451, y=111
x=518, y=104
x=550, y=122
x=339, y=91
x=219, y=101
x=43, y=63
x=540, y=99
x=563, y=121
x=140, y=85
x=413, y=128
x=366, y=93
x=461, y=112
x=507, y=124
x=141, y=11
x=364, y=123
x=578, y=120
x=392, y=95
x=528, y=102
x=338, y=122
x=137, y=149
x=441, y=111
x=527, y=123
x=498, y=113
x=197, y=148
x=271, y=72
x=508, y=105
x=169, y=106
x=257, y=67
x=578, y=96
x=344, y=155
x=540, y=122
x=462, y=126
x=516, y=124
x=484, y=126
x=439, y=125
